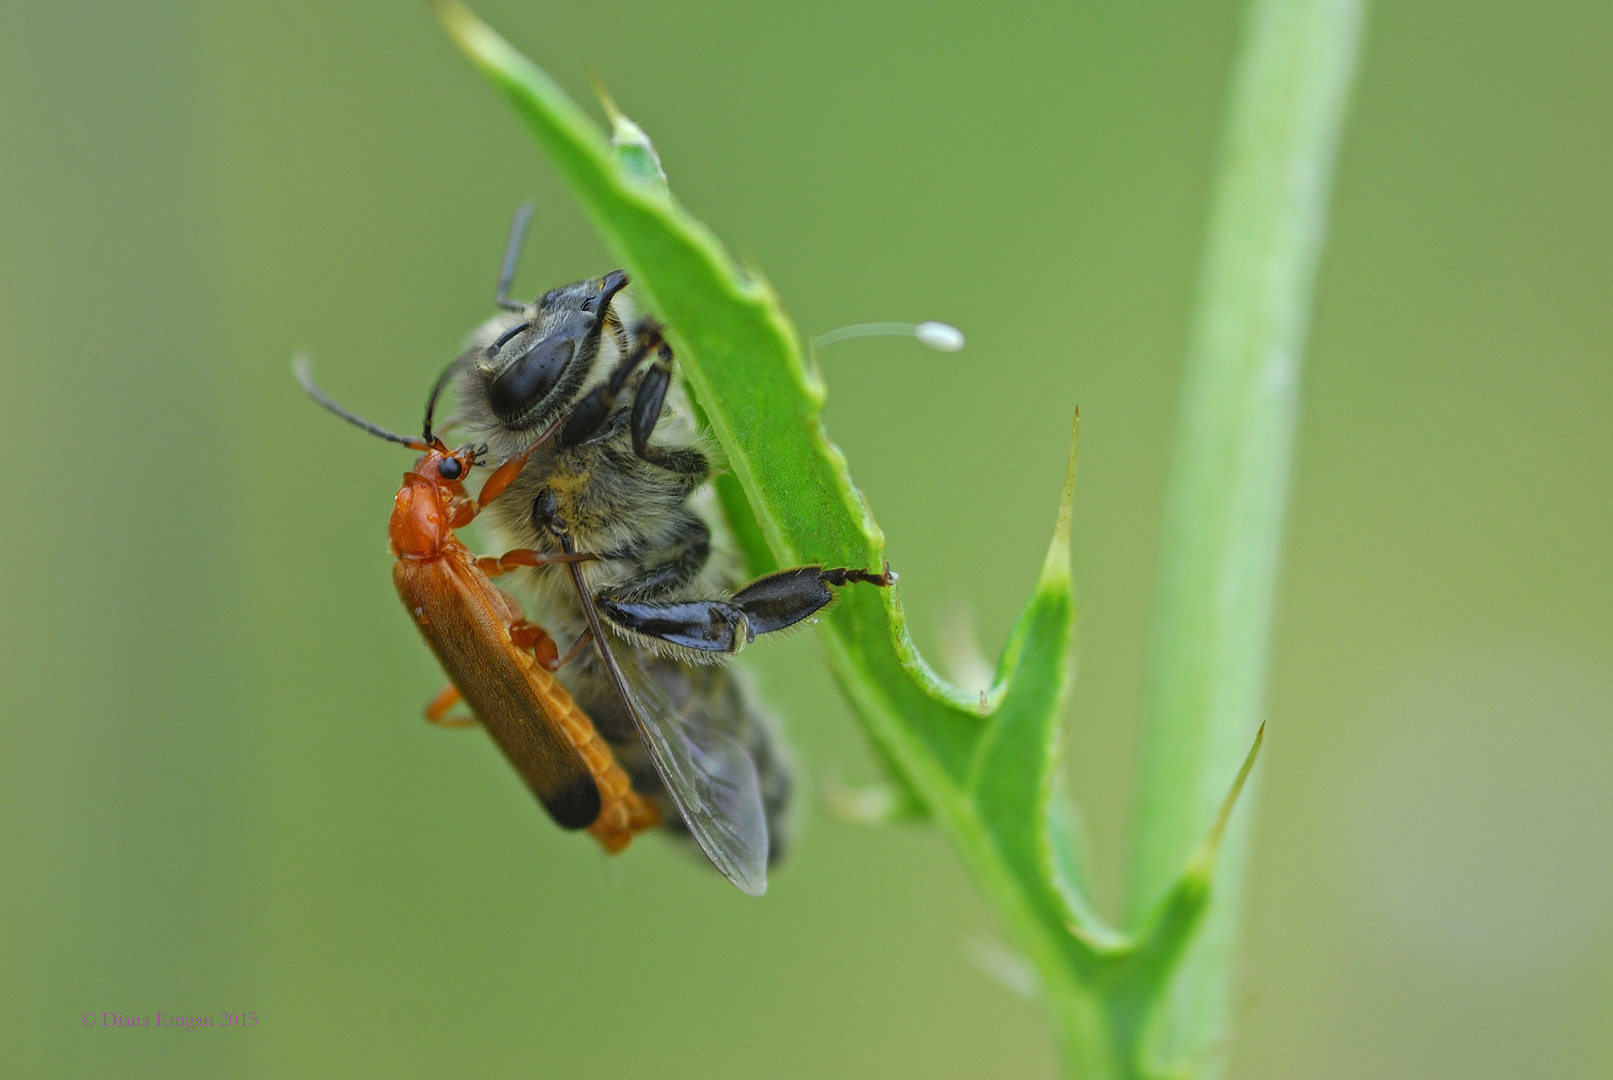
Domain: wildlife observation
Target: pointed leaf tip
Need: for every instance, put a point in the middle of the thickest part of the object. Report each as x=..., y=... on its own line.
x=1204, y=859
x=632, y=146
x=1167, y=929
x=1056, y=568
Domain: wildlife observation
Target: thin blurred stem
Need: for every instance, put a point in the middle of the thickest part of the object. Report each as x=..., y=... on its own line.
x=1229, y=480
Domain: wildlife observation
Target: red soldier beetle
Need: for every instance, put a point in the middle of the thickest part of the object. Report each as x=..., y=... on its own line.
x=497, y=662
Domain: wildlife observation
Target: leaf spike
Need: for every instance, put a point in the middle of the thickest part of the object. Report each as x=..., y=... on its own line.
x=607, y=102
x=632, y=145
x=1166, y=930
x=1203, y=860
x=1056, y=568
x=469, y=33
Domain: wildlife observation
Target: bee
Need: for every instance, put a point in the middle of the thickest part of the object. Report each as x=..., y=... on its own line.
x=626, y=478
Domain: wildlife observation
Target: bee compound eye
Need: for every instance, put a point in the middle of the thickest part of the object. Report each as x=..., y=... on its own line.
x=519, y=387
x=449, y=468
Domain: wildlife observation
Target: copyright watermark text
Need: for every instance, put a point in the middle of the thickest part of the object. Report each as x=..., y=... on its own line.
x=170, y=1020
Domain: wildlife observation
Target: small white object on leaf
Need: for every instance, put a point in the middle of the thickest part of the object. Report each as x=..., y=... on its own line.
x=940, y=336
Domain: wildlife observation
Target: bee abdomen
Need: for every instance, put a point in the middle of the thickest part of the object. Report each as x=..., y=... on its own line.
x=711, y=698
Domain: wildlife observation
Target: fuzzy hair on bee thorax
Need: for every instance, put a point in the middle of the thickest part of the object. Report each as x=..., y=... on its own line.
x=632, y=512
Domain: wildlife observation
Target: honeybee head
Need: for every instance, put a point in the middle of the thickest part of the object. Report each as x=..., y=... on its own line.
x=530, y=372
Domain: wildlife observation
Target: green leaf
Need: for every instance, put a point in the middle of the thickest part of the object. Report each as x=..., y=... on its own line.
x=983, y=774
x=1068, y=858
x=742, y=361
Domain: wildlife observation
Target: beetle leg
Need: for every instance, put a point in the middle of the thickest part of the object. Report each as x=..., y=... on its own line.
x=437, y=710
x=512, y=560
x=526, y=635
x=575, y=651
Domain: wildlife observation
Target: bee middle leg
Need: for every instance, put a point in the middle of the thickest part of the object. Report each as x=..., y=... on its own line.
x=685, y=555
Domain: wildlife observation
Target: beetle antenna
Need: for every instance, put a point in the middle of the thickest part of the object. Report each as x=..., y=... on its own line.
x=305, y=377
x=436, y=392
x=940, y=336
x=512, y=255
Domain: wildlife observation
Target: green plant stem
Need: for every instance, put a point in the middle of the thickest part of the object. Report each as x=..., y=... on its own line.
x=1229, y=479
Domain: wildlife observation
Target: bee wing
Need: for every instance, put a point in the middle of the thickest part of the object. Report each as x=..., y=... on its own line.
x=709, y=775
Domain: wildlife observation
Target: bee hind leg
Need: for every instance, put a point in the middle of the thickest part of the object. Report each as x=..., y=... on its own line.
x=783, y=599
x=765, y=605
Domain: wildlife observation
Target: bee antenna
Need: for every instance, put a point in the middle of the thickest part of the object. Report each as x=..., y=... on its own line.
x=300, y=367
x=512, y=255
x=436, y=392
x=940, y=336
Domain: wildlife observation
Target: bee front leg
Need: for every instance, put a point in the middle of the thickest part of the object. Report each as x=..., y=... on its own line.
x=648, y=403
x=689, y=464
x=590, y=414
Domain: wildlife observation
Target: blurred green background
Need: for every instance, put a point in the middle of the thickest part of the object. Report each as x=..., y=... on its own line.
x=215, y=790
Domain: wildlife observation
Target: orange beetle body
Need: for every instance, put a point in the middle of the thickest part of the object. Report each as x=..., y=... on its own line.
x=500, y=664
